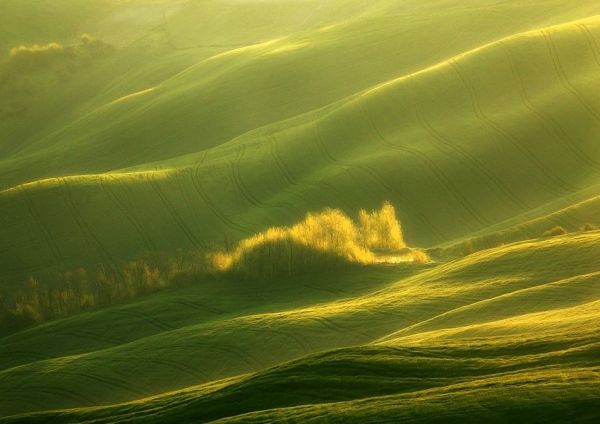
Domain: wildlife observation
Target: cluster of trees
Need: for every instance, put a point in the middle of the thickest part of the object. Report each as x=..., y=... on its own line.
x=324, y=240
x=560, y=230
x=321, y=241
x=45, y=296
x=55, y=56
x=29, y=70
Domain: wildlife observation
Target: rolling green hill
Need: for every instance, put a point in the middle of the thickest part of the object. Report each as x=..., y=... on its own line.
x=479, y=327
x=147, y=127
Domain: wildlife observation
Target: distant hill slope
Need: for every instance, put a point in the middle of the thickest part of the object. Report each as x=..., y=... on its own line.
x=521, y=319
x=490, y=134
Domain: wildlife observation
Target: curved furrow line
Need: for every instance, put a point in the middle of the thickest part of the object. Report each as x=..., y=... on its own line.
x=366, y=169
x=331, y=191
x=237, y=180
x=465, y=156
x=420, y=215
x=283, y=169
x=480, y=114
x=244, y=356
x=90, y=336
x=181, y=177
x=243, y=189
x=173, y=211
x=83, y=226
x=323, y=148
x=113, y=198
x=24, y=395
x=54, y=250
x=209, y=204
x=21, y=354
x=148, y=318
x=326, y=290
x=325, y=153
x=55, y=391
x=328, y=323
x=563, y=77
x=201, y=376
x=591, y=42
x=82, y=334
x=563, y=137
x=109, y=381
x=452, y=189
x=199, y=307
x=305, y=346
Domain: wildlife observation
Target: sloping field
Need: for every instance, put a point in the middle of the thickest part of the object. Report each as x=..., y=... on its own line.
x=442, y=135
x=151, y=127
x=517, y=323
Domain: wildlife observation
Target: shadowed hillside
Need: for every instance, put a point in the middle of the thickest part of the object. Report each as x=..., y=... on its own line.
x=481, y=323
x=164, y=168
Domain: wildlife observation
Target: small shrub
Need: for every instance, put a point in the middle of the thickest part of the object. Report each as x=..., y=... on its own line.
x=468, y=247
x=381, y=229
x=556, y=231
x=420, y=256
x=588, y=227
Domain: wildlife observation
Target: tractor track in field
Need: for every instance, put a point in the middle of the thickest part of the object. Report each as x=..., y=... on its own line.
x=199, y=375
x=330, y=324
x=234, y=167
x=465, y=156
x=563, y=138
x=372, y=173
x=54, y=391
x=439, y=175
x=173, y=212
x=420, y=215
x=199, y=307
x=283, y=169
x=35, y=356
x=288, y=176
x=91, y=336
x=591, y=42
x=182, y=178
x=241, y=354
x=121, y=206
x=305, y=346
x=86, y=231
x=210, y=205
x=109, y=381
x=54, y=250
x=563, y=77
x=487, y=121
x=149, y=319
x=242, y=188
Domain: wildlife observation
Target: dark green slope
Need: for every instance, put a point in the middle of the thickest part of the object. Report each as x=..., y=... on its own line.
x=520, y=300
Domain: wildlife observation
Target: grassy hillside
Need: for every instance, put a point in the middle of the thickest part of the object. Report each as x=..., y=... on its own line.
x=480, y=327
x=139, y=128
x=421, y=140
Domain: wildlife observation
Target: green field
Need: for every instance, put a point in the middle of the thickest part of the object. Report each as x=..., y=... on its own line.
x=179, y=126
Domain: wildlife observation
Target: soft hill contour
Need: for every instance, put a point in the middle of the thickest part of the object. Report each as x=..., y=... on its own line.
x=479, y=325
x=428, y=138
x=255, y=131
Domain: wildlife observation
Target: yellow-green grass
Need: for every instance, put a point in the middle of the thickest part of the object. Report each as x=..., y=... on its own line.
x=520, y=319
x=442, y=135
x=213, y=121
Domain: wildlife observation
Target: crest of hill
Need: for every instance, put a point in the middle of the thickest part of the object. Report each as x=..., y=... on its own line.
x=401, y=141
